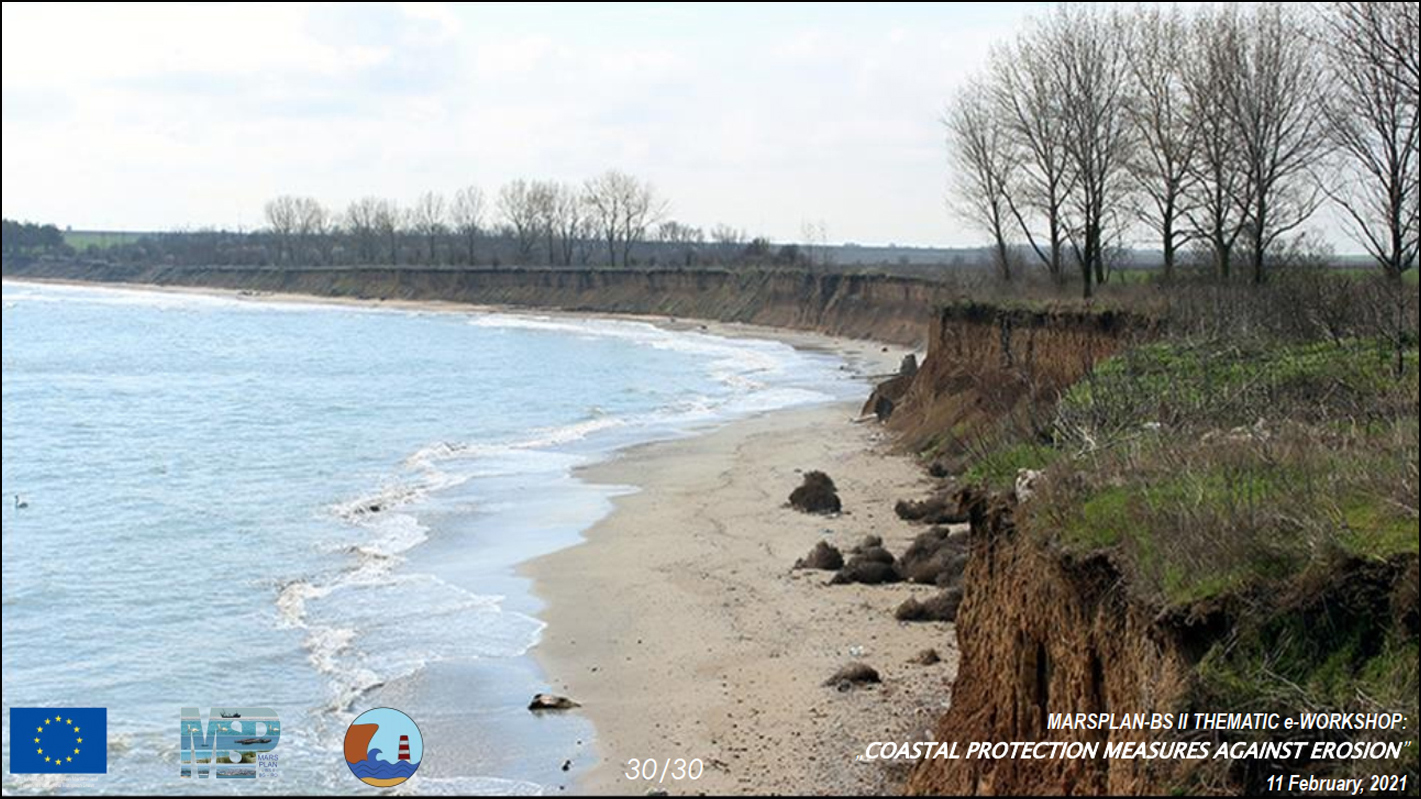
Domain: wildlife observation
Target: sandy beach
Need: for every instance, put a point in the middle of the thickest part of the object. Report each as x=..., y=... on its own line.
x=683, y=631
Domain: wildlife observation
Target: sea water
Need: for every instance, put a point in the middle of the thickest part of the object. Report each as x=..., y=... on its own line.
x=318, y=508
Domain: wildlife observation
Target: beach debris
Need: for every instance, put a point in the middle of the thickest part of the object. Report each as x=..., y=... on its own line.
x=868, y=542
x=927, y=657
x=867, y=570
x=853, y=675
x=909, y=366
x=551, y=702
x=939, y=607
x=1026, y=480
x=936, y=557
x=937, y=509
x=566, y=765
x=823, y=556
x=938, y=469
x=816, y=495
x=856, y=651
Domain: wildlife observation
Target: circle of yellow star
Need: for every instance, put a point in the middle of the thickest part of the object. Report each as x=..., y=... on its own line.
x=78, y=740
x=46, y=758
x=69, y=721
x=39, y=751
x=76, y=750
x=36, y=740
x=76, y=729
x=67, y=759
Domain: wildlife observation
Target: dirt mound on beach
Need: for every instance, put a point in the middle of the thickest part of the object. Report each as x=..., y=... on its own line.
x=816, y=494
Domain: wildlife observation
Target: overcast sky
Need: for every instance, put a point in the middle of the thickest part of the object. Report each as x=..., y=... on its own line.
x=762, y=117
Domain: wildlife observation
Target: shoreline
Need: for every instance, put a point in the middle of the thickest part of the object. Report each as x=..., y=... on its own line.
x=864, y=356
x=630, y=467
x=681, y=628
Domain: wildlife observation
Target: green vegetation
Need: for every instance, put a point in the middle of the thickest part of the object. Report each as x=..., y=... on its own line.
x=82, y=240
x=1259, y=474
x=999, y=467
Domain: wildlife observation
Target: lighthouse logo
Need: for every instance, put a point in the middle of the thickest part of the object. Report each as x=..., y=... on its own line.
x=383, y=747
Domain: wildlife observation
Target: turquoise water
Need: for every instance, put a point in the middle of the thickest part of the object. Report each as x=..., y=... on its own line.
x=317, y=509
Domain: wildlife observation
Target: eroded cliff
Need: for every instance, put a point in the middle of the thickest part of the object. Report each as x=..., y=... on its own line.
x=883, y=308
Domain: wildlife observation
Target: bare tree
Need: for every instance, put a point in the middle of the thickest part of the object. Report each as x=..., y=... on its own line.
x=427, y=220
x=728, y=242
x=1163, y=125
x=283, y=217
x=1087, y=53
x=621, y=208
x=361, y=218
x=568, y=222
x=388, y=222
x=517, y=205
x=687, y=240
x=306, y=224
x=1275, y=103
x=1218, y=192
x=1030, y=107
x=467, y=215
x=982, y=163
x=1373, y=120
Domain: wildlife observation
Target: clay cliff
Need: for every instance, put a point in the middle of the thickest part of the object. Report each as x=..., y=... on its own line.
x=884, y=308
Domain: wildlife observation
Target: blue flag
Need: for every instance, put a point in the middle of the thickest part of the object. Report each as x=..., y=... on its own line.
x=48, y=740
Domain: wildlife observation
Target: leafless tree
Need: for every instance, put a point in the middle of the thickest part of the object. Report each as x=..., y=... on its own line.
x=283, y=217
x=569, y=222
x=620, y=208
x=1029, y=107
x=300, y=225
x=361, y=218
x=427, y=220
x=1275, y=102
x=388, y=222
x=1373, y=120
x=1163, y=125
x=1087, y=49
x=1218, y=191
x=982, y=162
x=518, y=207
x=467, y=215
x=543, y=195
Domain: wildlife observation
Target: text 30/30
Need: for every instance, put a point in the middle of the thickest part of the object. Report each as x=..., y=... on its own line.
x=659, y=771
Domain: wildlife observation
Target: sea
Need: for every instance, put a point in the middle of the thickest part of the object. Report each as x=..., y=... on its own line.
x=316, y=508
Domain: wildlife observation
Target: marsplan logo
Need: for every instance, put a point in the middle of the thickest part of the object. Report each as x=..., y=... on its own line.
x=233, y=743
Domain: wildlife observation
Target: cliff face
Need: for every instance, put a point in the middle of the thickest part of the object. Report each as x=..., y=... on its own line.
x=879, y=307
x=1041, y=632
x=986, y=363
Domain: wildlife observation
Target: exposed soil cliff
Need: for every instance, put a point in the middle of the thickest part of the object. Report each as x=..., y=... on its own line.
x=987, y=363
x=1041, y=632
x=879, y=307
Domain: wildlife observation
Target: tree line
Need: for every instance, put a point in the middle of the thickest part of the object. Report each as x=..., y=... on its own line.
x=613, y=219
x=23, y=238
x=1222, y=130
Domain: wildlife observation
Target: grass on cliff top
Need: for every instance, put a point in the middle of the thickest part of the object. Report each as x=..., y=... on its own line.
x=1208, y=468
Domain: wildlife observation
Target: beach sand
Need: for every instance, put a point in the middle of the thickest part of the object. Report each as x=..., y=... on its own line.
x=683, y=631
x=679, y=623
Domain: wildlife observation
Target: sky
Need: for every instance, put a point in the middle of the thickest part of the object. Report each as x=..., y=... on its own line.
x=766, y=117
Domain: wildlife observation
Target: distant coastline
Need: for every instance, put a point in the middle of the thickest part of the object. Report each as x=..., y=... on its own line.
x=885, y=308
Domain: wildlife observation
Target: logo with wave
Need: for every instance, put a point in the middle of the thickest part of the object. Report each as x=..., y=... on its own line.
x=383, y=747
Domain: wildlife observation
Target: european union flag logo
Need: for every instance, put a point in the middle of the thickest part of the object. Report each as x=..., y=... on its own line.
x=47, y=740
